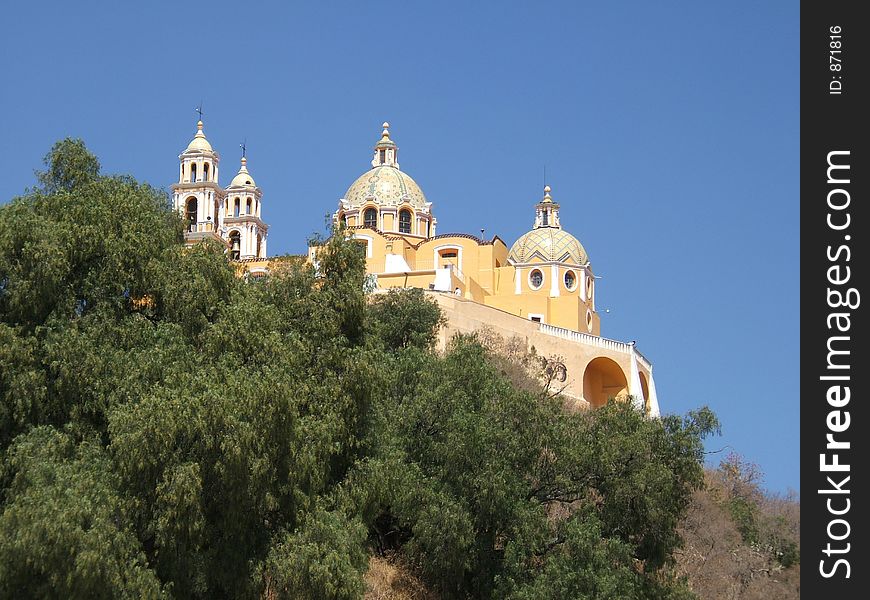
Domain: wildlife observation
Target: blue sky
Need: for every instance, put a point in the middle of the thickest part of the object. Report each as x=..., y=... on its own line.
x=669, y=132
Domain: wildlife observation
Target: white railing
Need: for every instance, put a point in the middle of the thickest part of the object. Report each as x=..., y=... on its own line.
x=593, y=340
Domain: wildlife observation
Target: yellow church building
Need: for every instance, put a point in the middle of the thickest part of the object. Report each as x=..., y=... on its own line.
x=541, y=289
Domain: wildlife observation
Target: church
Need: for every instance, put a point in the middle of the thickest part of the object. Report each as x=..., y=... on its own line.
x=540, y=289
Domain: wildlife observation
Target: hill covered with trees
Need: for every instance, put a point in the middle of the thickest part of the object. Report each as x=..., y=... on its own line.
x=168, y=429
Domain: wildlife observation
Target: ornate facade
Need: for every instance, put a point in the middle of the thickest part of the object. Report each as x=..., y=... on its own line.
x=540, y=289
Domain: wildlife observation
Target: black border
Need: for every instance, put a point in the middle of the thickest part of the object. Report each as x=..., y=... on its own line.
x=832, y=122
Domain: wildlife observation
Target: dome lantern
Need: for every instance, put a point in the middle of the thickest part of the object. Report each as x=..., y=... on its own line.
x=547, y=211
x=386, y=151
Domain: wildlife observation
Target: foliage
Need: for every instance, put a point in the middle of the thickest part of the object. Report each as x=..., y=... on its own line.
x=65, y=529
x=168, y=429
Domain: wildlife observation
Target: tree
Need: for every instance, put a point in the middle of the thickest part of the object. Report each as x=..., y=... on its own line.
x=232, y=439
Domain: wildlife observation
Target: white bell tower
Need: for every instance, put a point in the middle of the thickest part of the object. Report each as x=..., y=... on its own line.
x=197, y=196
x=243, y=225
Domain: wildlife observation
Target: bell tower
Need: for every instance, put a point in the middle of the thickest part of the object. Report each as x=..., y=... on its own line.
x=244, y=228
x=197, y=196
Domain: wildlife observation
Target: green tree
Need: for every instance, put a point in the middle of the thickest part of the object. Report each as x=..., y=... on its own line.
x=65, y=530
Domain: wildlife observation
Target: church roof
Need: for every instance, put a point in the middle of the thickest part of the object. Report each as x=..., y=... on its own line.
x=385, y=186
x=199, y=143
x=547, y=241
x=548, y=244
x=242, y=177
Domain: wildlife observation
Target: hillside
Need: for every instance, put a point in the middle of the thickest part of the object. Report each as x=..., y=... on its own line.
x=168, y=429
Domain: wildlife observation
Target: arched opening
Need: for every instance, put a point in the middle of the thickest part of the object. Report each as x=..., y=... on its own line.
x=248, y=207
x=238, y=207
x=404, y=221
x=193, y=172
x=235, y=245
x=603, y=380
x=644, y=388
x=205, y=172
x=340, y=219
x=370, y=218
x=190, y=213
x=259, y=246
x=217, y=211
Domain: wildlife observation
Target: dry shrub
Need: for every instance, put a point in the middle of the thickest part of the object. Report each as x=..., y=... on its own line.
x=388, y=578
x=718, y=562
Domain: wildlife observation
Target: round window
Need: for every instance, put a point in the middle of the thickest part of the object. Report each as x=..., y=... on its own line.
x=570, y=280
x=536, y=279
x=589, y=320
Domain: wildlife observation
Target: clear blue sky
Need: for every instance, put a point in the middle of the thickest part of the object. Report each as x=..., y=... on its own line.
x=669, y=131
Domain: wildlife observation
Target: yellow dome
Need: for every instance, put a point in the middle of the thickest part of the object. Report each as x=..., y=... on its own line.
x=385, y=186
x=243, y=177
x=548, y=244
x=199, y=143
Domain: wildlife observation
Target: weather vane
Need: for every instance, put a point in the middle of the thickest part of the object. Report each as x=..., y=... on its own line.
x=244, y=147
x=199, y=110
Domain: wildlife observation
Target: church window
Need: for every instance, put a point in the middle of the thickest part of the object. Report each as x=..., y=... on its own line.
x=546, y=218
x=570, y=280
x=205, y=172
x=237, y=207
x=193, y=172
x=190, y=214
x=248, y=207
x=536, y=279
x=404, y=222
x=383, y=156
x=370, y=218
x=235, y=245
x=259, y=245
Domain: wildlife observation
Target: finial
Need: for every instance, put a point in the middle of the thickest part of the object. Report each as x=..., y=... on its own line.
x=385, y=134
x=547, y=197
x=244, y=147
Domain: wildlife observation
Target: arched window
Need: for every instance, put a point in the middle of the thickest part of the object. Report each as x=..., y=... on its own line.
x=383, y=156
x=205, y=172
x=193, y=172
x=259, y=245
x=370, y=218
x=248, y=207
x=546, y=217
x=235, y=245
x=190, y=214
x=238, y=207
x=404, y=222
